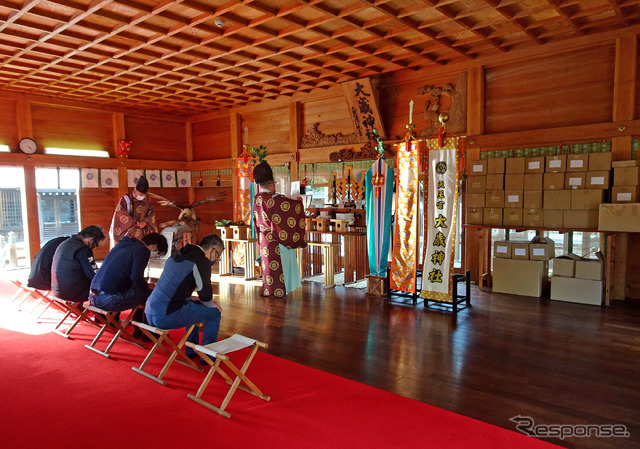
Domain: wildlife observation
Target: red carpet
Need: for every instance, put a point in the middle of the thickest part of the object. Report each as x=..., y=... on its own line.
x=57, y=394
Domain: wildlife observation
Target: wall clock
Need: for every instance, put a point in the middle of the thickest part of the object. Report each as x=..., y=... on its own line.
x=28, y=146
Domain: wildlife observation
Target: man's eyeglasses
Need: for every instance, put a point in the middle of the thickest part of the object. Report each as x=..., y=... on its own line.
x=218, y=256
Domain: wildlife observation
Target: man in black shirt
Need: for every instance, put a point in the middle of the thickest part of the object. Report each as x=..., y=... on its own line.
x=74, y=266
x=40, y=275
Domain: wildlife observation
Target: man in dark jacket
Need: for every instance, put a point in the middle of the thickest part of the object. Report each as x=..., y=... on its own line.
x=170, y=305
x=73, y=265
x=120, y=283
x=40, y=275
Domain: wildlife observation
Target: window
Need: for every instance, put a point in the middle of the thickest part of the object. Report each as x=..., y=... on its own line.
x=57, y=202
x=76, y=152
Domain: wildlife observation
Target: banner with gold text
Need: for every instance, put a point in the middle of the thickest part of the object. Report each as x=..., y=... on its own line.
x=441, y=201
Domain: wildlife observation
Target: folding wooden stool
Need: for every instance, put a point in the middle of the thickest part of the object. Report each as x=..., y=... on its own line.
x=40, y=296
x=109, y=319
x=218, y=351
x=163, y=337
x=71, y=311
x=21, y=294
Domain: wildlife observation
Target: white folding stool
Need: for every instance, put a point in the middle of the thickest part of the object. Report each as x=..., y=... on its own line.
x=218, y=351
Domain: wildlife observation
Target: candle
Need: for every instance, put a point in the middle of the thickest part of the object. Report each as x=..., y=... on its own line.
x=246, y=135
x=411, y=112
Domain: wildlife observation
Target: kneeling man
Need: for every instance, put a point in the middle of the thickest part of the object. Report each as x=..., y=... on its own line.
x=170, y=305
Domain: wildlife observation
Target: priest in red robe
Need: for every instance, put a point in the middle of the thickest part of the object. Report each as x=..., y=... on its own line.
x=134, y=217
x=280, y=225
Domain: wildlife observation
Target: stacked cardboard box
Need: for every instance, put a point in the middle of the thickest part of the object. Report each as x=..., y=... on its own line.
x=521, y=267
x=554, y=192
x=626, y=181
x=577, y=279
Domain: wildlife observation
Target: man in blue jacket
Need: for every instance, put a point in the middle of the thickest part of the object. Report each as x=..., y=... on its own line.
x=73, y=265
x=120, y=283
x=170, y=305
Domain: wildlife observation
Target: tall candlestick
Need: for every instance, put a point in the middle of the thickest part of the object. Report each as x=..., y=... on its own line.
x=411, y=112
x=246, y=135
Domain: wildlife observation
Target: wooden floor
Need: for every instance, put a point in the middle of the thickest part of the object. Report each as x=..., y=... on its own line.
x=557, y=363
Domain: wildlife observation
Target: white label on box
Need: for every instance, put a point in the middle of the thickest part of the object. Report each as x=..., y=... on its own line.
x=478, y=168
x=519, y=251
x=575, y=181
x=501, y=249
x=513, y=198
x=576, y=163
x=597, y=181
x=534, y=165
x=623, y=197
x=538, y=251
x=555, y=163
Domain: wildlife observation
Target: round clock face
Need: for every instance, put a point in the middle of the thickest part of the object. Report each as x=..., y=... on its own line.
x=28, y=146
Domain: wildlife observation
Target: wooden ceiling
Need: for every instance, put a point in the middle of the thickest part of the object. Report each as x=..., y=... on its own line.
x=172, y=55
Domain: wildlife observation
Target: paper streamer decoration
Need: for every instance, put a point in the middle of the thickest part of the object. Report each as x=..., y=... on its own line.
x=183, y=178
x=441, y=202
x=379, y=196
x=109, y=178
x=133, y=176
x=168, y=178
x=153, y=176
x=90, y=177
x=405, y=241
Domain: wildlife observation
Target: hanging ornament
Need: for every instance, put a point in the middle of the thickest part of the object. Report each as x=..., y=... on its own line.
x=124, y=148
x=218, y=180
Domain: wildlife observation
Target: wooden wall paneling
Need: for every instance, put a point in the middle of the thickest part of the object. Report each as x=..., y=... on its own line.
x=331, y=113
x=33, y=223
x=475, y=101
x=96, y=208
x=9, y=134
x=211, y=138
x=566, y=89
x=209, y=213
x=268, y=127
x=72, y=128
x=158, y=139
x=164, y=213
x=395, y=98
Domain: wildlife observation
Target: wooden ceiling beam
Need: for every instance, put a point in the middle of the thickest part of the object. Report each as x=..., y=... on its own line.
x=560, y=10
x=511, y=17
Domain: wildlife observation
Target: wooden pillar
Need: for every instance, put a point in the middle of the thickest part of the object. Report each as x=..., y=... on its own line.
x=236, y=146
x=23, y=119
x=189, y=156
x=294, y=138
x=475, y=125
x=624, y=100
x=31, y=197
x=119, y=133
